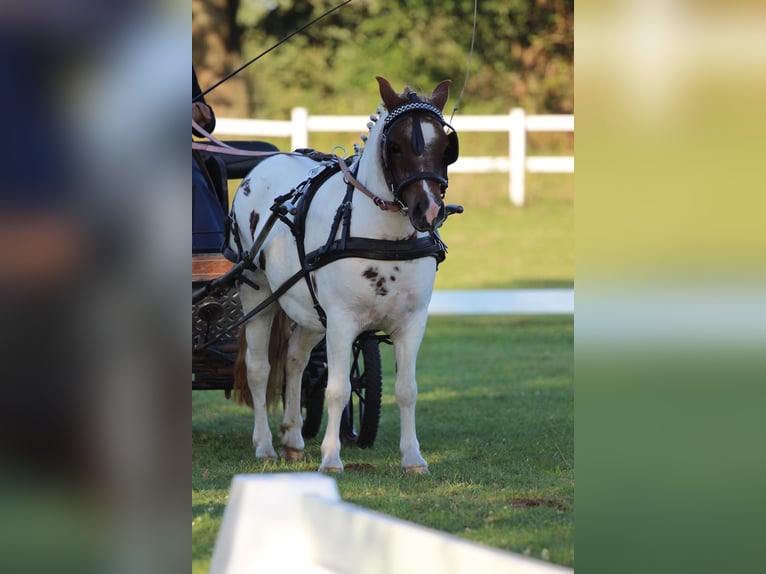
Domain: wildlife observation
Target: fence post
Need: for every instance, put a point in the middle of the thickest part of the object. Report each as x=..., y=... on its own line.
x=517, y=147
x=300, y=128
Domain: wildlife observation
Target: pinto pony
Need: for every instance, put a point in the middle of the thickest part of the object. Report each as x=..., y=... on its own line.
x=356, y=250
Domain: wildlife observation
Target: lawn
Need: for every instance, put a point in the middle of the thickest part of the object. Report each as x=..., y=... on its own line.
x=495, y=421
x=496, y=245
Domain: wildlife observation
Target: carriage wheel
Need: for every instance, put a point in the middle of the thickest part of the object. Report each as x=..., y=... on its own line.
x=312, y=390
x=366, y=391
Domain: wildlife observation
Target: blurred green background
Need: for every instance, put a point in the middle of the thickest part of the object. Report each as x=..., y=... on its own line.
x=523, y=53
x=523, y=57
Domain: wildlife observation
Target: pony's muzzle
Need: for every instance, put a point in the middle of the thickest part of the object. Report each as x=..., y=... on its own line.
x=427, y=214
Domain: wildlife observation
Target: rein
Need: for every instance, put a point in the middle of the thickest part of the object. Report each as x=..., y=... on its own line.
x=384, y=205
x=219, y=147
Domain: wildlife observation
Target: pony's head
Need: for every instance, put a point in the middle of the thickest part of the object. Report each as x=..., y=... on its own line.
x=416, y=146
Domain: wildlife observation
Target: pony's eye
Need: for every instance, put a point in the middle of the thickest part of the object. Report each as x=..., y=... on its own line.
x=393, y=147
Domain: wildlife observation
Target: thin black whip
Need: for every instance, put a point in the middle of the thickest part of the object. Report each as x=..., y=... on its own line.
x=282, y=41
x=470, y=59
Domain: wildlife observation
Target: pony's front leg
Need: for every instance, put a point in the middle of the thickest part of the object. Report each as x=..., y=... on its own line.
x=339, y=341
x=257, y=363
x=406, y=345
x=302, y=342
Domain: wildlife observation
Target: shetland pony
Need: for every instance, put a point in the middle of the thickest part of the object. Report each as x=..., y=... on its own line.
x=361, y=257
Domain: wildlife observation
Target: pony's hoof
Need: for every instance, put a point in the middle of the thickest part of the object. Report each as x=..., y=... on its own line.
x=421, y=469
x=291, y=454
x=265, y=454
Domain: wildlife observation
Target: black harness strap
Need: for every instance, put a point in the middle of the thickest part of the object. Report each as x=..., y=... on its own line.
x=378, y=249
x=298, y=228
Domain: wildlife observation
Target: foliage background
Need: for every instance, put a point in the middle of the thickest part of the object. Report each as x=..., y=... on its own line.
x=523, y=53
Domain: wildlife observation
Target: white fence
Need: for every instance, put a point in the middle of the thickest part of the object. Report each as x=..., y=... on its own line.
x=296, y=522
x=516, y=124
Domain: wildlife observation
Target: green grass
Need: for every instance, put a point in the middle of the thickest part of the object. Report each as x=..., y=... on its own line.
x=495, y=422
x=497, y=245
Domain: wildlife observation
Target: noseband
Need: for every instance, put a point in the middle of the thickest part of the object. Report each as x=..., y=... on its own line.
x=414, y=108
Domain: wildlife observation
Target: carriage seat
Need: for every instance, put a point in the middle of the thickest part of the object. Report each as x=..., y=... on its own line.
x=223, y=167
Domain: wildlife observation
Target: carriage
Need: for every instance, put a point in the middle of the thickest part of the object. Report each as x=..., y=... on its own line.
x=318, y=262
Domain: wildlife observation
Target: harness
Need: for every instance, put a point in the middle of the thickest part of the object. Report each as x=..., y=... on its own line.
x=297, y=203
x=344, y=246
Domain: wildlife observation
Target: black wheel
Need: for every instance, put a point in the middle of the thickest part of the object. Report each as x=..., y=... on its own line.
x=312, y=390
x=363, y=407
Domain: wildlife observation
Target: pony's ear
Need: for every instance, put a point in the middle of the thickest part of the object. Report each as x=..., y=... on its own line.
x=441, y=93
x=387, y=93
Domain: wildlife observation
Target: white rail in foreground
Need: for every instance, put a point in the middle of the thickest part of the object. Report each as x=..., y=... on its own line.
x=296, y=523
x=516, y=124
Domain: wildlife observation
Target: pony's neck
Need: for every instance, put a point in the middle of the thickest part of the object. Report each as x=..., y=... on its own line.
x=371, y=164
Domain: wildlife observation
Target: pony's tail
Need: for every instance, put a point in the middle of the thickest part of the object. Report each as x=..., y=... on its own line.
x=281, y=329
x=278, y=342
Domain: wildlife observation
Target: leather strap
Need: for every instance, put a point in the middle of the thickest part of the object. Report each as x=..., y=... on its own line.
x=222, y=148
x=384, y=205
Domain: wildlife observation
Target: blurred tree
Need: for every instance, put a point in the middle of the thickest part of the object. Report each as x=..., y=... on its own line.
x=216, y=50
x=523, y=52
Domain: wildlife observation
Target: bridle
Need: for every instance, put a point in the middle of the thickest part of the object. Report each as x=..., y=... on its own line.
x=415, y=108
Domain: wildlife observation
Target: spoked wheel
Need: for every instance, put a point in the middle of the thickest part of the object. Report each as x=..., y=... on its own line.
x=363, y=408
x=312, y=390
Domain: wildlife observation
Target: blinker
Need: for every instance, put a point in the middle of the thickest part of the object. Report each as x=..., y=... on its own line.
x=418, y=141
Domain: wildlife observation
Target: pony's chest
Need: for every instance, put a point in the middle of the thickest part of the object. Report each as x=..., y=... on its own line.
x=393, y=286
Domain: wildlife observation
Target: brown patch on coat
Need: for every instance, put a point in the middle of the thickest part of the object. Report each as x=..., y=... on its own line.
x=262, y=260
x=254, y=217
x=378, y=283
x=380, y=287
x=370, y=273
x=246, y=187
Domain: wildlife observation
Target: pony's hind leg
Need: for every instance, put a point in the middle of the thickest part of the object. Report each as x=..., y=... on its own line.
x=406, y=345
x=301, y=343
x=257, y=334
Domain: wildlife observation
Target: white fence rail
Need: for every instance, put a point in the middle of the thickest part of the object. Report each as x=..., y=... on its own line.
x=296, y=522
x=516, y=124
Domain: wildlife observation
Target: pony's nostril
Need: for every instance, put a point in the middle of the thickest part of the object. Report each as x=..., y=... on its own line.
x=432, y=213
